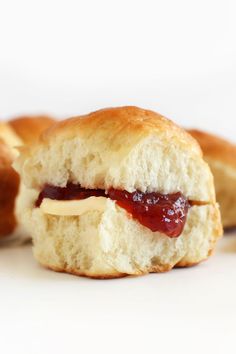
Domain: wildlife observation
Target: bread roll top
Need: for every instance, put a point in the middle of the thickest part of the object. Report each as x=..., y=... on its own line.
x=125, y=148
x=28, y=128
x=215, y=147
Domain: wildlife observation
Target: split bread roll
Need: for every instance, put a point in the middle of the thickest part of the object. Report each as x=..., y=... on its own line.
x=13, y=134
x=221, y=157
x=106, y=156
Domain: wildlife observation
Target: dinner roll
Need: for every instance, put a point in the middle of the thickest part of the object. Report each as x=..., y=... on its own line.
x=119, y=191
x=221, y=157
x=30, y=127
x=9, y=179
x=13, y=134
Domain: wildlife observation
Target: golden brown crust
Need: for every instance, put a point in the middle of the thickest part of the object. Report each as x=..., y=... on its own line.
x=155, y=269
x=184, y=264
x=9, y=182
x=215, y=147
x=113, y=124
x=29, y=128
x=158, y=269
x=82, y=274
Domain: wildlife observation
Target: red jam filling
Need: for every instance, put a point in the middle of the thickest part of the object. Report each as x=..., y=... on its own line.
x=165, y=213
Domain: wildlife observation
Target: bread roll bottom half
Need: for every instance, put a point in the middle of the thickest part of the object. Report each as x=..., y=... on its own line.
x=120, y=191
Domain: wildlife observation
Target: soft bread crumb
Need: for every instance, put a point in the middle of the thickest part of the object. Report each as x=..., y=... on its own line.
x=125, y=148
x=111, y=243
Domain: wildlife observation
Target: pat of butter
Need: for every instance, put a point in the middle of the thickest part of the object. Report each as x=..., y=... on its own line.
x=72, y=207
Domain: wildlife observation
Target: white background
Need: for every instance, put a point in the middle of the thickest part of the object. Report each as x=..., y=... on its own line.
x=70, y=57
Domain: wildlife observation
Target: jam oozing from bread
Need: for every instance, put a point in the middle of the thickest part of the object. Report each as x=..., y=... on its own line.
x=165, y=213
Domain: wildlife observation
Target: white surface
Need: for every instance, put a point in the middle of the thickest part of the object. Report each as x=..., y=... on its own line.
x=183, y=311
x=71, y=57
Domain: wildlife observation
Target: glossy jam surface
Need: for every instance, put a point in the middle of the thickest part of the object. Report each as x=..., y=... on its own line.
x=165, y=213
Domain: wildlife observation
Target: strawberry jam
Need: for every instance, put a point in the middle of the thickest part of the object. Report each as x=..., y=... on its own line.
x=165, y=213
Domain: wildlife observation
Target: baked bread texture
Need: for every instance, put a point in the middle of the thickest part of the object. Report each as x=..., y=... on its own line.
x=29, y=128
x=12, y=135
x=221, y=157
x=126, y=149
